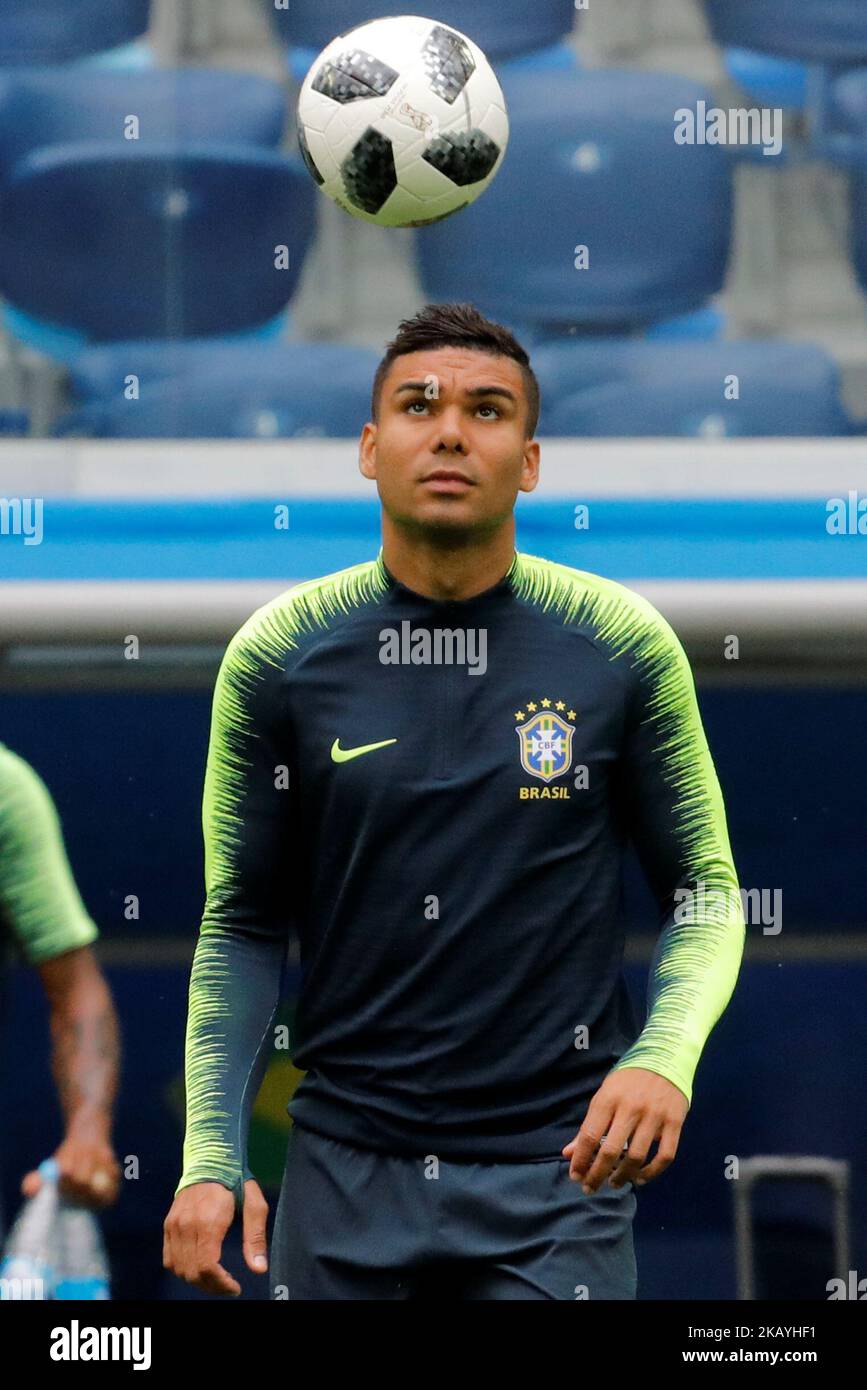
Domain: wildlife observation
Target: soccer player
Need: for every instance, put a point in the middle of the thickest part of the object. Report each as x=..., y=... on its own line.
x=41, y=910
x=429, y=766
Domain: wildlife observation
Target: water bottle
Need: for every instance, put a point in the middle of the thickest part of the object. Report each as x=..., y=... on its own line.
x=82, y=1266
x=30, y=1258
x=54, y=1249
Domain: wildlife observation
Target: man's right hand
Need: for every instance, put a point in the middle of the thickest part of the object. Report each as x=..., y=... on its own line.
x=196, y=1226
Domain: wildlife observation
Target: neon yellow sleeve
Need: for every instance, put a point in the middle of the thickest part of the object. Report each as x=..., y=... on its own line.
x=678, y=825
x=39, y=902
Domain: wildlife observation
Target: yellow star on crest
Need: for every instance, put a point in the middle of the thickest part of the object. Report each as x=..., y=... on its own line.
x=570, y=714
x=546, y=704
x=559, y=705
x=531, y=707
x=519, y=714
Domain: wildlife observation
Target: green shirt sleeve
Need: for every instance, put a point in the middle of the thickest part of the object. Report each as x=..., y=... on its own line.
x=677, y=822
x=39, y=902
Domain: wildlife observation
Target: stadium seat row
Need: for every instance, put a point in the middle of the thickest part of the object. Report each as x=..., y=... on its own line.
x=595, y=387
x=185, y=223
x=825, y=31
x=615, y=224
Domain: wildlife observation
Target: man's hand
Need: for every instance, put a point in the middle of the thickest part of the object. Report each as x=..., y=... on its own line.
x=632, y=1106
x=196, y=1226
x=88, y=1172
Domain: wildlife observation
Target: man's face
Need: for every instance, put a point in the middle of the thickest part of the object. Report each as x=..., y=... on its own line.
x=449, y=452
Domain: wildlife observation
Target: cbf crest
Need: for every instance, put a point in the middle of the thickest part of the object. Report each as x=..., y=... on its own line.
x=545, y=739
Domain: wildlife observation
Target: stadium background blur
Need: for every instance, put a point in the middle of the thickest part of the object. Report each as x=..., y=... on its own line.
x=142, y=306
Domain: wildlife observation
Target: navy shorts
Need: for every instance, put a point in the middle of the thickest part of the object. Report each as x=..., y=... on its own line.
x=354, y=1223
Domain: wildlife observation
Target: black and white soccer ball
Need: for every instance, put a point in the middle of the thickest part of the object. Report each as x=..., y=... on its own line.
x=402, y=122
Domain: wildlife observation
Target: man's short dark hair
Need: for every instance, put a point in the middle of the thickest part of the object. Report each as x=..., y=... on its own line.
x=458, y=325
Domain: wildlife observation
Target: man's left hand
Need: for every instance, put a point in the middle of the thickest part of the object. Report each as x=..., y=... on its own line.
x=632, y=1107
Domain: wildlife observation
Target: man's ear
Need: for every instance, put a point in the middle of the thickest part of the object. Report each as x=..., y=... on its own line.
x=530, y=469
x=367, y=451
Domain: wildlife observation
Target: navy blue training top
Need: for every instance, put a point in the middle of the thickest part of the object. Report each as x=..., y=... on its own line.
x=436, y=797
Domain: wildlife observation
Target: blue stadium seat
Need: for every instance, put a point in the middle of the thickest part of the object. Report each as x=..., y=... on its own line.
x=594, y=165
x=14, y=423
x=283, y=390
x=770, y=81
x=821, y=31
x=785, y=53
x=67, y=105
x=127, y=57
x=845, y=135
x=502, y=28
x=849, y=100
x=60, y=31
x=100, y=372
x=558, y=57
x=631, y=387
x=162, y=241
x=703, y=324
x=572, y=364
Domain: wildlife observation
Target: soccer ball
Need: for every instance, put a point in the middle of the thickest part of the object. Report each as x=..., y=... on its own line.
x=402, y=122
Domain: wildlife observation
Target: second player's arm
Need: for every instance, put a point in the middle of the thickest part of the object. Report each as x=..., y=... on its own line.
x=42, y=908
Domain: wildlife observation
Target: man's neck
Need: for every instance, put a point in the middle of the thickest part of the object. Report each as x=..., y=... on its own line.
x=444, y=572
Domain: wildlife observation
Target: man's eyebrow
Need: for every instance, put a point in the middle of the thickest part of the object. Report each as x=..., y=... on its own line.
x=412, y=386
x=473, y=391
x=493, y=391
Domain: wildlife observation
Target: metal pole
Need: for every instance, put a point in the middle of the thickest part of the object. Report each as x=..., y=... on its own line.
x=780, y=1167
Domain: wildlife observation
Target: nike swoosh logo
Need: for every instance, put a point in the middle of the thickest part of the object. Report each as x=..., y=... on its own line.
x=343, y=755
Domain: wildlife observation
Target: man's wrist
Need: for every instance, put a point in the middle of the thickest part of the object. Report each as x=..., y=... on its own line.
x=91, y=1122
x=193, y=1179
